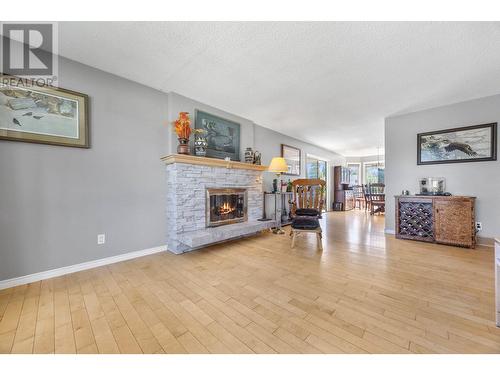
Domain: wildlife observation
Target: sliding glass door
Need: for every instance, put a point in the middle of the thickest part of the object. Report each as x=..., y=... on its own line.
x=317, y=168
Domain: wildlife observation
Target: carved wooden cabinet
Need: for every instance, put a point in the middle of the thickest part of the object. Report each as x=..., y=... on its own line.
x=346, y=200
x=343, y=199
x=446, y=220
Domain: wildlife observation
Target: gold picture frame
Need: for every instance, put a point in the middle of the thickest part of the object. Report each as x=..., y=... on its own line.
x=37, y=113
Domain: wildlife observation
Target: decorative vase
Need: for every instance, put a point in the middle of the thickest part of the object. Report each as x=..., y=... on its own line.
x=183, y=147
x=200, y=145
x=249, y=155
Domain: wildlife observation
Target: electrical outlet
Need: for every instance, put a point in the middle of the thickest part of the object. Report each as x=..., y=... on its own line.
x=479, y=225
x=101, y=239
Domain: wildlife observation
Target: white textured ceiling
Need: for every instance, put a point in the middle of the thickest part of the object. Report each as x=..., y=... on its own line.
x=329, y=83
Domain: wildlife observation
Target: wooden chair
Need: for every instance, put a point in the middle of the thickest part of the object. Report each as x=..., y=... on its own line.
x=307, y=205
x=377, y=198
x=366, y=194
x=359, y=196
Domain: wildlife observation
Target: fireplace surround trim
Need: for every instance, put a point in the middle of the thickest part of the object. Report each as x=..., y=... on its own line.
x=225, y=191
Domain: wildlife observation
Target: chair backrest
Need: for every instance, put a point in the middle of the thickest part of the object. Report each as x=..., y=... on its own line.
x=366, y=193
x=308, y=193
x=376, y=188
x=358, y=191
x=376, y=191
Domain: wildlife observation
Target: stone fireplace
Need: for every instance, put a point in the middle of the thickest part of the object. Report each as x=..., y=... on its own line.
x=211, y=200
x=225, y=206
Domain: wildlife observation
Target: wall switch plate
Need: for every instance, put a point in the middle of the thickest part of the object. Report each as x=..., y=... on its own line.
x=479, y=225
x=101, y=239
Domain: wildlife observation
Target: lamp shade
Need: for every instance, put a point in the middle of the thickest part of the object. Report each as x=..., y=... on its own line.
x=278, y=165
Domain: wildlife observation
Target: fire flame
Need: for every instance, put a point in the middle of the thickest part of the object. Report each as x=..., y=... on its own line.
x=225, y=209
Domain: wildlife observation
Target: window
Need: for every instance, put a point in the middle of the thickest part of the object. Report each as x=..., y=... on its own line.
x=315, y=168
x=373, y=173
x=355, y=177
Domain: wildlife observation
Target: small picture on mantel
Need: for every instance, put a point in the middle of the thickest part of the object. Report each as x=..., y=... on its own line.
x=458, y=145
x=223, y=136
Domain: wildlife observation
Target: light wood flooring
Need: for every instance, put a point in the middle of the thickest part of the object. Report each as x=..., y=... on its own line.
x=364, y=293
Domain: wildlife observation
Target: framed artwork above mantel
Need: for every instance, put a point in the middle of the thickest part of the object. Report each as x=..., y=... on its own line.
x=292, y=156
x=458, y=145
x=223, y=135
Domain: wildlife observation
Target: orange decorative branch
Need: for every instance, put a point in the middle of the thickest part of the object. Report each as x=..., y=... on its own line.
x=182, y=125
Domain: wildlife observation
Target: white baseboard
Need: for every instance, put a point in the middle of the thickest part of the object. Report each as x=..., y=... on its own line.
x=485, y=241
x=4, y=284
x=389, y=231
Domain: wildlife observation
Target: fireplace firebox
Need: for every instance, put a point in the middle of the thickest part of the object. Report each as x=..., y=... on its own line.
x=226, y=206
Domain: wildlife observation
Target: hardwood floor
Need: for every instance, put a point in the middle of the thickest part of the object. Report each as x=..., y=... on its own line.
x=364, y=293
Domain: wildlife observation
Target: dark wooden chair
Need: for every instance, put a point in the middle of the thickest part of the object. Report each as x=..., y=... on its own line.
x=376, y=196
x=359, y=196
x=366, y=194
x=307, y=205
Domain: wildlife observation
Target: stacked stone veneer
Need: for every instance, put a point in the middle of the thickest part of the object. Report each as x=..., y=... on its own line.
x=186, y=195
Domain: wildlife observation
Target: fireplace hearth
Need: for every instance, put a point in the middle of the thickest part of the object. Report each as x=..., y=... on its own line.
x=226, y=206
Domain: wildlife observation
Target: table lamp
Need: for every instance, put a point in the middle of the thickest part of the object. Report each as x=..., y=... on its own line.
x=278, y=165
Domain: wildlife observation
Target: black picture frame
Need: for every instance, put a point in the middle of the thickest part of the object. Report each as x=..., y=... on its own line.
x=493, y=144
x=295, y=152
x=223, y=135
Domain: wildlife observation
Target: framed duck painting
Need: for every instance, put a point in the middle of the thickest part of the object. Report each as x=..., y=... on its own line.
x=458, y=145
x=223, y=136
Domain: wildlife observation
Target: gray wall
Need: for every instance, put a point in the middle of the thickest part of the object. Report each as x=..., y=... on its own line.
x=55, y=200
x=480, y=179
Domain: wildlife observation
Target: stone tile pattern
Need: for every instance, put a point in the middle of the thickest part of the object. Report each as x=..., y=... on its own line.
x=186, y=194
x=205, y=237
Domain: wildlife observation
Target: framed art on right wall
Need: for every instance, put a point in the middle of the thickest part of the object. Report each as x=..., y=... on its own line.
x=458, y=145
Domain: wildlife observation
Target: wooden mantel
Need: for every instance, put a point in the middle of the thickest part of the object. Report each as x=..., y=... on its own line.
x=211, y=162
